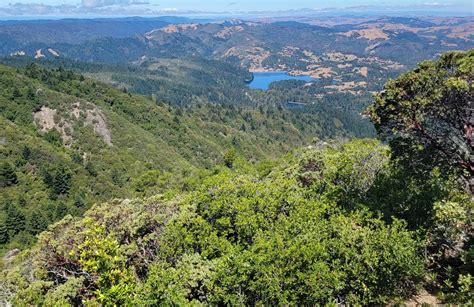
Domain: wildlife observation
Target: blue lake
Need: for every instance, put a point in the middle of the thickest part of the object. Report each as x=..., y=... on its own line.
x=262, y=80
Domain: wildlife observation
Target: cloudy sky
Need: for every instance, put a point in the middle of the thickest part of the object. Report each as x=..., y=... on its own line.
x=150, y=7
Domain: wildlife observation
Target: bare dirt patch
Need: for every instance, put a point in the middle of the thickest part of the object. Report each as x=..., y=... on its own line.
x=39, y=54
x=312, y=57
x=369, y=34
x=18, y=53
x=253, y=57
x=346, y=86
x=288, y=51
x=179, y=27
x=228, y=31
x=362, y=70
x=340, y=57
x=316, y=73
x=421, y=299
x=53, y=52
x=342, y=66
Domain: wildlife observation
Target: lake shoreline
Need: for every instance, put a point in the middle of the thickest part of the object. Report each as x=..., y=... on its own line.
x=262, y=80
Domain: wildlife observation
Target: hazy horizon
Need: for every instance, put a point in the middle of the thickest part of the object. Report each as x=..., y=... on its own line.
x=57, y=9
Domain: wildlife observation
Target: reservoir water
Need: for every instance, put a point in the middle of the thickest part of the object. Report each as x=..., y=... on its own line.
x=262, y=80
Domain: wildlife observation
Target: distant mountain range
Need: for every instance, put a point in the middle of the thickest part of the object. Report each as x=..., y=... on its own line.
x=76, y=31
x=256, y=45
x=351, y=55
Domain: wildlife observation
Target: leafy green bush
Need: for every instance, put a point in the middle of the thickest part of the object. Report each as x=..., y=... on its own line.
x=240, y=238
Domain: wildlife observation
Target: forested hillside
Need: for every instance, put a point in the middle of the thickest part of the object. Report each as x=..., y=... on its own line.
x=68, y=142
x=223, y=204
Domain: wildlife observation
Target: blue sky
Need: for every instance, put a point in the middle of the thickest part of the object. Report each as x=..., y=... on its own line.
x=149, y=7
x=249, y=5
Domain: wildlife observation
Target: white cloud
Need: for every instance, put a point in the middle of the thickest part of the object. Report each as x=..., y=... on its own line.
x=104, y=3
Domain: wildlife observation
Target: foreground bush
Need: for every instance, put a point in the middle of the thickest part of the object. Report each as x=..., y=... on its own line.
x=238, y=239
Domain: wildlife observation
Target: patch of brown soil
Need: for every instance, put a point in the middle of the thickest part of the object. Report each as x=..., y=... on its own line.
x=288, y=51
x=362, y=70
x=252, y=57
x=342, y=66
x=179, y=27
x=325, y=72
x=369, y=34
x=312, y=57
x=346, y=86
x=340, y=57
x=227, y=31
x=422, y=298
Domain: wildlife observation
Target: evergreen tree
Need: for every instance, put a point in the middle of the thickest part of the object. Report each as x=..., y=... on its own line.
x=117, y=178
x=61, y=210
x=49, y=211
x=3, y=233
x=76, y=157
x=16, y=93
x=36, y=223
x=26, y=153
x=7, y=175
x=48, y=178
x=30, y=94
x=21, y=201
x=62, y=181
x=91, y=169
x=15, y=221
x=79, y=201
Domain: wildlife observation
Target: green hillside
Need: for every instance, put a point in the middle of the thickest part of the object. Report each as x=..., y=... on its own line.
x=109, y=143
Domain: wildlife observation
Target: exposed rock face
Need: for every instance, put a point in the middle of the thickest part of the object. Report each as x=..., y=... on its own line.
x=95, y=118
x=11, y=254
x=423, y=298
x=44, y=118
x=47, y=119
